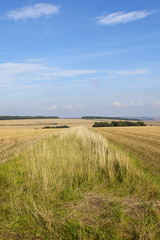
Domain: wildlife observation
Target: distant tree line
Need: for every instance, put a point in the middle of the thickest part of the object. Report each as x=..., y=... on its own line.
x=27, y=117
x=118, y=124
x=100, y=117
x=48, y=127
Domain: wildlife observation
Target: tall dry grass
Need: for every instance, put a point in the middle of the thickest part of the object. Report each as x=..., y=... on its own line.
x=62, y=168
x=60, y=164
x=72, y=158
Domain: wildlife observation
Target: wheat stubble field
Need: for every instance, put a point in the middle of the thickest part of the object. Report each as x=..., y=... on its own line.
x=79, y=183
x=18, y=134
x=144, y=142
x=15, y=139
x=39, y=123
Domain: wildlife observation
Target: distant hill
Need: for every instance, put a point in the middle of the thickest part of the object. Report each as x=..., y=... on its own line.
x=26, y=117
x=124, y=118
x=117, y=118
x=150, y=118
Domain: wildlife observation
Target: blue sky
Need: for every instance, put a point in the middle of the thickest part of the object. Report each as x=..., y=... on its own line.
x=74, y=58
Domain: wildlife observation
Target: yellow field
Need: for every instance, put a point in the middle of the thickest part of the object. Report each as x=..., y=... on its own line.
x=39, y=123
x=13, y=140
x=75, y=184
x=144, y=142
x=17, y=134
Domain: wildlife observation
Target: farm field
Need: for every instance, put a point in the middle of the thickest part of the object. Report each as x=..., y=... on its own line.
x=13, y=140
x=18, y=134
x=39, y=123
x=144, y=142
x=79, y=183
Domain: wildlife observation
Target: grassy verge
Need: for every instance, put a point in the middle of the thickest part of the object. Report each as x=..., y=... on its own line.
x=76, y=185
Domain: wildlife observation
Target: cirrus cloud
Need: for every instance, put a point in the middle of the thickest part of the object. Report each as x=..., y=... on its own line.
x=123, y=17
x=130, y=72
x=34, y=11
x=24, y=72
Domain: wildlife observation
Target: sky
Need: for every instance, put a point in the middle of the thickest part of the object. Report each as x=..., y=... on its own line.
x=80, y=57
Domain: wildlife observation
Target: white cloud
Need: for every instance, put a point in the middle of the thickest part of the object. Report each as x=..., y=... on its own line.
x=123, y=17
x=129, y=73
x=70, y=107
x=30, y=73
x=14, y=68
x=118, y=104
x=52, y=107
x=125, y=73
x=34, y=11
x=18, y=72
x=27, y=72
x=157, y=104
x=33, y=60
x=68, y=73
x=133, y=104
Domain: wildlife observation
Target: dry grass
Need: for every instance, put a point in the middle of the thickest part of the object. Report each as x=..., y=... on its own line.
x=76, y=185
x=144, y=142
x=73, y=156
x=13, y=140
